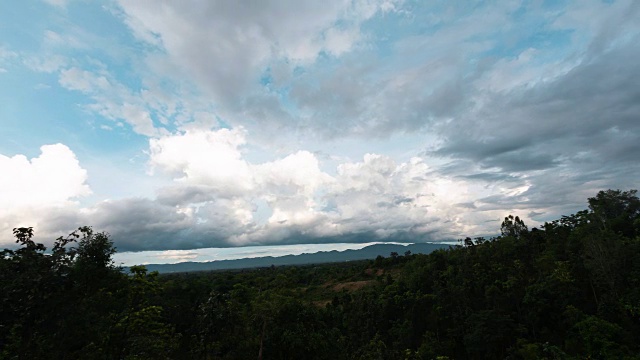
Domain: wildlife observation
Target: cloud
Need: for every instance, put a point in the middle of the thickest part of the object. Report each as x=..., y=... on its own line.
x=304, y=202
x=241, y=55
x=52, y=178
x=380, y=194
x=39, y=191
x=214, y=199
x=214, y=192
x=208, y=158
x=225, y=45
x=111, y=99
x=58, y=3
x=575, y=121
x=214, y=160
x=287, y=122
x=209, y=169
x=178, y=255
x=270, y=66
x=6, y=57
x=328, y=71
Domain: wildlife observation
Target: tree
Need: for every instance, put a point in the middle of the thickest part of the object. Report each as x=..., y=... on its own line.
x=616, y=210
x=141, y=332
x=513, y=227
x=95, y=250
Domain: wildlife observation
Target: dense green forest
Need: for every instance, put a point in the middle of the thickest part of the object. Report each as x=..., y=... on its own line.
x=567, y=290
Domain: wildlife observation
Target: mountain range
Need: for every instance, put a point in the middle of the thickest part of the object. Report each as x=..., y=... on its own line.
x=368, y=252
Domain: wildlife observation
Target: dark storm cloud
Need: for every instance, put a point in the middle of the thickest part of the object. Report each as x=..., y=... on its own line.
x=141, y=224
x=580, y=130
x=138, y=224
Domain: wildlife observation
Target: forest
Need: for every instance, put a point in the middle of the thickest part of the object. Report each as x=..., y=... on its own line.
x=569, y=289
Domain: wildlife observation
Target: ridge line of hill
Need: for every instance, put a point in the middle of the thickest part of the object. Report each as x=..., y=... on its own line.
x=366, y=253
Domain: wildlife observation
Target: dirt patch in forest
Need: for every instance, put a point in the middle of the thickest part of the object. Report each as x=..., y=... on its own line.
x=321, y=303
x=371, y=272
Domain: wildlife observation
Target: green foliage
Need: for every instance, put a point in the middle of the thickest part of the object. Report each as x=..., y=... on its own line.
x=72, y=303
x=616, y=210
x=514, y=227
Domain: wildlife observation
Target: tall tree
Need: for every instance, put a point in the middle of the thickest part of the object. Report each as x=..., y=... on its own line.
x=514, y=227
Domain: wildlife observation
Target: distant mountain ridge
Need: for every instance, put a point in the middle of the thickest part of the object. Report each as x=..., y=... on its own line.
x=368, y=252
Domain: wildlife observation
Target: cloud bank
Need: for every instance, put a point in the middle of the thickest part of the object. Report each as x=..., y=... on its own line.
x=348, y=121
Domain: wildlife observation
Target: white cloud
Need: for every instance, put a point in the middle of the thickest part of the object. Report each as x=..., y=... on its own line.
x=40, y=191
x=111, y=99
x=211, y=158
x=214, y=191
x=226, y=45
x=56, y=40
x=300, y=170
x=5, y=53
x=52, y=178
x=177, y=255
x=379, y=193
x=84, y=81
x=215, y=183
x=6, y=56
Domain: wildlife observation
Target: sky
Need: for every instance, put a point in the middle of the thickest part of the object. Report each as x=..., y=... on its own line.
x=180, y=126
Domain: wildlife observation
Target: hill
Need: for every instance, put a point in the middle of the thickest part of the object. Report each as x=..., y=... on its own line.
x=368, y=252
